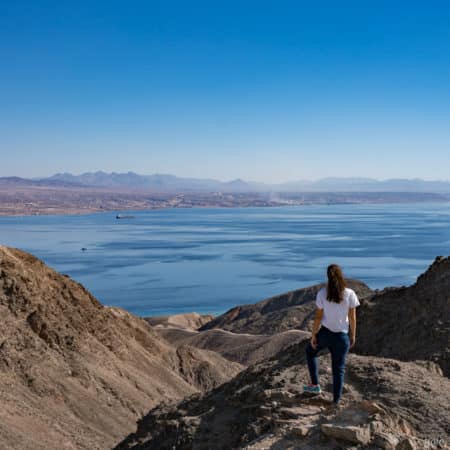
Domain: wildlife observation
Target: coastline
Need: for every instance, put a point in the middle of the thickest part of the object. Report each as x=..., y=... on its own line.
x=14, y=210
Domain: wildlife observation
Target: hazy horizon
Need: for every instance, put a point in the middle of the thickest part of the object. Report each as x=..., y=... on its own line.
x=229, y=179
x=255, y=90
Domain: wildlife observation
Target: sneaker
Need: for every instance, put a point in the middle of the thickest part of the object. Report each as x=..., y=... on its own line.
x=312, y=389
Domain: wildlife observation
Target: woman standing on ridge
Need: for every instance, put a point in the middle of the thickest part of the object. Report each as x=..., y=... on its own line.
x=336, y=311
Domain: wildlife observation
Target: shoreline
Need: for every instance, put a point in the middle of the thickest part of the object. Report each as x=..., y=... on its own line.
x=83, y=212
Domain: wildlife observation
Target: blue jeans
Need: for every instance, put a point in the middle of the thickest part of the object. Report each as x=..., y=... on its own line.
x=338, y=344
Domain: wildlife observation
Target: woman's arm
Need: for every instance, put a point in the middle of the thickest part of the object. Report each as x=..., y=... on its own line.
x=316, y=326
x=352, y=323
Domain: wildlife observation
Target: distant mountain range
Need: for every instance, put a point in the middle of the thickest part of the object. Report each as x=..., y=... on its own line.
x=44, y=182
x=172, y=183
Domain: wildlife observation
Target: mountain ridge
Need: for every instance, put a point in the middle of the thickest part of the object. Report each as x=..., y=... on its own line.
x=132, y=180
x=388, y=403
x=73, y=371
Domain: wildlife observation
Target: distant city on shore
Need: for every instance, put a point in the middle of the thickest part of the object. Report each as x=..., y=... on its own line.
x=65, y=193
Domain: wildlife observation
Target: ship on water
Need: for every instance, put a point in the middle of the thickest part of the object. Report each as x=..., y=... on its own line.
x=124, y=216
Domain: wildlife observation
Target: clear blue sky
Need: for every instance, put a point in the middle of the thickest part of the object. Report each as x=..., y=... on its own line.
x=268, y=91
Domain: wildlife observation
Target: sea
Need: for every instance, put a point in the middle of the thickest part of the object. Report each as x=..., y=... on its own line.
x=208, y=260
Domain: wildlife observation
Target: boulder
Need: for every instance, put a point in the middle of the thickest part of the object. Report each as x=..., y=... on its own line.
x=386, y=441
x=406, y=444
x=352, y=434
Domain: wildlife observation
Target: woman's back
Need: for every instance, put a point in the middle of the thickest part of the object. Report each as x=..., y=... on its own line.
x=335, y=315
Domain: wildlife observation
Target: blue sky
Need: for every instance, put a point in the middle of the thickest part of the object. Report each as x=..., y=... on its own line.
x=269, y=91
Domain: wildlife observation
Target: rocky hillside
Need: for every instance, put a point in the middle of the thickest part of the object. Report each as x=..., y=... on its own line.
x=387, y=404
x=410, y=323
x=291, y=310
x=188, y=321
x=77, y=375
x=249, y=333
x=245, y=349
x=406, y=323
x=397, y=395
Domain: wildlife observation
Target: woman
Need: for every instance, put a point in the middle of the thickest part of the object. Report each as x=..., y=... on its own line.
x=336, y=311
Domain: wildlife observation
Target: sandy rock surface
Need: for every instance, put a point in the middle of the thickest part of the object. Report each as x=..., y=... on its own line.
x=385, y=402
x=75, y=374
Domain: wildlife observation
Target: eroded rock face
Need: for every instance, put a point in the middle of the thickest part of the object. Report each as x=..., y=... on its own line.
x=263, y=407
x=204, y=369
x=243, y=348
x=75, y=374
x=188, y=321
x=411, y=323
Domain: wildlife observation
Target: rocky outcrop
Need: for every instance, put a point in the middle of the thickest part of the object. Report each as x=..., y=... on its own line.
x=204, y=369
x=245, y=349
x=410, y=323
x=188, y=321
x=291, y=310
x=386, y=404
x=77, y=375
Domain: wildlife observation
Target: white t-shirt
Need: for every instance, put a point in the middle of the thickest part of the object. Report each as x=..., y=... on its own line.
x=335, y=315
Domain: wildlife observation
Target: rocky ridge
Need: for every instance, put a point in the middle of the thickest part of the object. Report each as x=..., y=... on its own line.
x=388, y=403
x=188, y=321
x=287, y=311
x=412, y=322
x=242, y=348
x=77, y=375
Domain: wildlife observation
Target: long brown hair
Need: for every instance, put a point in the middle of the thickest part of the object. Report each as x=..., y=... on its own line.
x=336, y=284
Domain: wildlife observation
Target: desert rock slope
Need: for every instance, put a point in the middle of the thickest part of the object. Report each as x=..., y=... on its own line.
x=397, y=395
x=187, y=321
x=387, y=404
x=243, y=348
x=249, y=333
x=77, y=375
x=410, y=323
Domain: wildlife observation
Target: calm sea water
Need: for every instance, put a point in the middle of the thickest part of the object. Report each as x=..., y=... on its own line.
x=208, y=260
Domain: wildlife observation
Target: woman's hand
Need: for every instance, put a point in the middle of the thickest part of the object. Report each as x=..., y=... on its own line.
x=317, y=321
x=352, y=322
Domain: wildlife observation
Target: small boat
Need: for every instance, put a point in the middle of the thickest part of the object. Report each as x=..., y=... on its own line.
x=123, y=216
x=83, y=249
